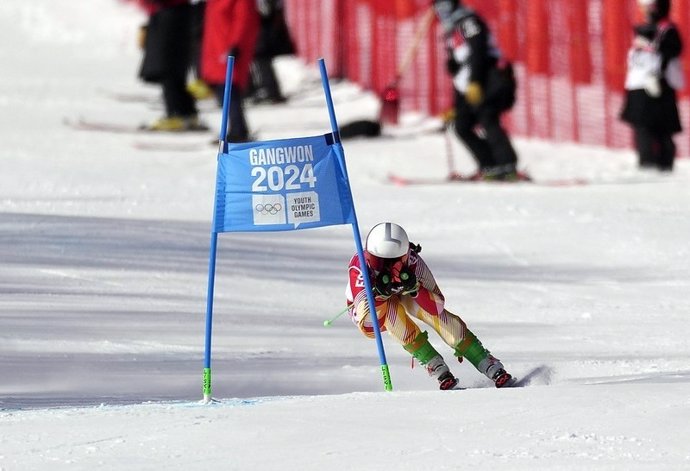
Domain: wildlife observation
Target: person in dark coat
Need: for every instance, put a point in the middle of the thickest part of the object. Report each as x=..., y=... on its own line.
x=231, y=28
x=484, y=89
x=198, y=14
x=654, y=74
x=167, y=57
x=274, y=41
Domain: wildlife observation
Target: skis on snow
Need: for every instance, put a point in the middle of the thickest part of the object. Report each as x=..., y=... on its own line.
x=83, y=124
x=169, y=141
x=540, y=375
x=458, y=178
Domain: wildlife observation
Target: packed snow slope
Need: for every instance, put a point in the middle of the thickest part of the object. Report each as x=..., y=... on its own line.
x=103, y=275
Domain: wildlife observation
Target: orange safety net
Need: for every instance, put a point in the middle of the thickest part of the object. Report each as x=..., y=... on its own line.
x=569, y=57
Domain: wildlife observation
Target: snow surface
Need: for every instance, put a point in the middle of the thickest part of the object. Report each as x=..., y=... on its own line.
x=103, y=270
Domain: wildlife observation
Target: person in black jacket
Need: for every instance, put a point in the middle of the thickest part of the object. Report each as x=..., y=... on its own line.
x=167, y=57
x=274, y=40
x=484, y=89
x=654, y=73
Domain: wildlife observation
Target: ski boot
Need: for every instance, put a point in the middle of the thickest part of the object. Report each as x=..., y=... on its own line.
x=426, y=354
x=447, y=381
x=438, y=369
x=502, y=378
x=493, y=369
x=199, y=90
x=178, y=124
x=500, y=173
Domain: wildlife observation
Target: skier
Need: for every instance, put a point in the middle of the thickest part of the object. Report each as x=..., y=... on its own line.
x=230, y=28
x=654, y=74
x=405, y=288
x=167, y=55
x=484, y=87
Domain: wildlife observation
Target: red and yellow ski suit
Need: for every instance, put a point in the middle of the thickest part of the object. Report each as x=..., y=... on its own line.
x=394, y=313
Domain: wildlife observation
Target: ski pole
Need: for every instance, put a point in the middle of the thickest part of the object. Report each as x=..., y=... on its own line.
x=447, y=129
x=328, y=322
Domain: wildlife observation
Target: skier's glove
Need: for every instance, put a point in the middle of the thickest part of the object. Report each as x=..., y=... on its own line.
x=383, y=284
x=474, y=93
x=235, y=52
x=447, y=117
x=409, y=282
x=141, y=36
x=652, y=86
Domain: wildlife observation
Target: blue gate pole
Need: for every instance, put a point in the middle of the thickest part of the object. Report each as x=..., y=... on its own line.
x=226, y=103
x=355, y=230
x=214, y=239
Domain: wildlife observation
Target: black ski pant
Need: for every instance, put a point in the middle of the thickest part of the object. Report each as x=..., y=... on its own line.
x=167, y=57
x=198, y=14
x=238, y=131
x=654, y=148
x=491, y=149
x=178, y=101
x=264, y=80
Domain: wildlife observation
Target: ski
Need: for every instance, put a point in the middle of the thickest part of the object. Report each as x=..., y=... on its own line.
x=541, y=372
x=457, y=178
x=156, y=102
x=538, y=375
x=87, y=125
x=132, y=97
x=161, y=146
x=179, y=144
x=83, y=124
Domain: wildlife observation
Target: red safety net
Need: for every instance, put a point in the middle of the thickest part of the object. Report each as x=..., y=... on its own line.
x=569, y=58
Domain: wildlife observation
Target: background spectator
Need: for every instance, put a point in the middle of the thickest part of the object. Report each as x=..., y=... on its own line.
x=167, y=56
x=231, y=27
x=483, y=90
x=654, y=74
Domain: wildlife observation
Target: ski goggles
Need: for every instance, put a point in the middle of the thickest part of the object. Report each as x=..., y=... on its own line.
x=378, y=264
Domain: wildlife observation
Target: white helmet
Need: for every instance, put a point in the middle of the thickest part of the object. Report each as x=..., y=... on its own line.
x=387, y=240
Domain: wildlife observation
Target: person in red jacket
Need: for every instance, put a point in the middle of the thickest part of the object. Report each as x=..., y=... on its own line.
x=167, y=57
x=404, y=288
x=231, y=28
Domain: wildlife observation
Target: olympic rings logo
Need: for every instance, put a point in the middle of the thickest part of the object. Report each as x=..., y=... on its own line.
x=268, y=208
